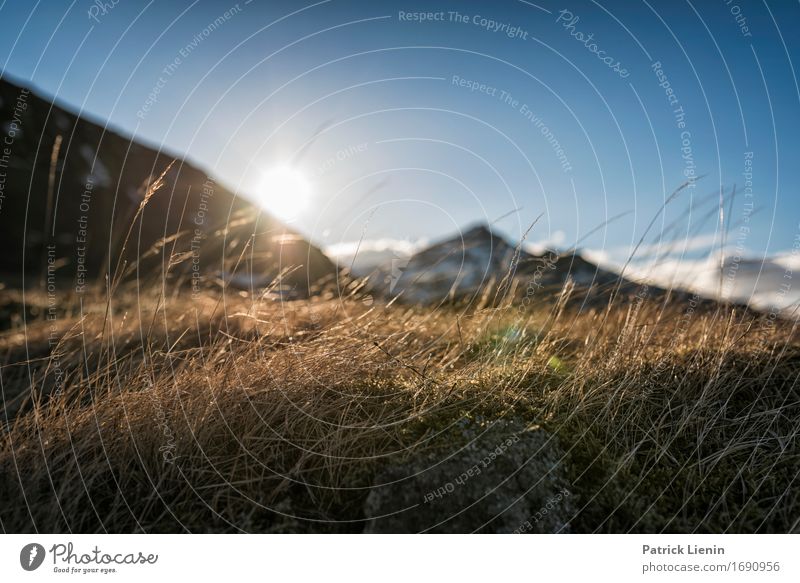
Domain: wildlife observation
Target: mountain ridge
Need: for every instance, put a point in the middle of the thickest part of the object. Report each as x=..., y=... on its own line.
x=462, y=267
x=73, y=189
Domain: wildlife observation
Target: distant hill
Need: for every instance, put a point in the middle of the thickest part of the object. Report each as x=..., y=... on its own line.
x=468, y=264
x=70, y=191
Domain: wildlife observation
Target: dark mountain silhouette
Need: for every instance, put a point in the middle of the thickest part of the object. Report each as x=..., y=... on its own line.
x=71, y=191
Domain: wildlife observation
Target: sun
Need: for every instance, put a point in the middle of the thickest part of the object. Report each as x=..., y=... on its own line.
x=284, y=191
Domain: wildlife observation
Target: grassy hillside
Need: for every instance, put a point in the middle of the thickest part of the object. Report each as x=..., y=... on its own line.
x=147, y=412
x=73, y=188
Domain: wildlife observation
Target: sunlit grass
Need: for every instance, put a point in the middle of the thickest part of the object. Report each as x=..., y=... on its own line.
x=187, y=416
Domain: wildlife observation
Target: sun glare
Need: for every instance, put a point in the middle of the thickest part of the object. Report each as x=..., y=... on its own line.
x=285, y=192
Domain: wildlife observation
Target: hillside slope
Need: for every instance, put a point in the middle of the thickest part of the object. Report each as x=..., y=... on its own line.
x=71, y=190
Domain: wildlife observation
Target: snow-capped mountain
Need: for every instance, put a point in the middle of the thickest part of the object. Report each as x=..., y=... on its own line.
x=478, y=259
x=455, y=267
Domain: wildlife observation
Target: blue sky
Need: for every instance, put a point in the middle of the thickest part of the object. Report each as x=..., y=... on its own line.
x=410, y=130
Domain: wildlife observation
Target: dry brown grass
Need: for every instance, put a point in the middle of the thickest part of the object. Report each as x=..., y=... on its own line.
x=236, y=413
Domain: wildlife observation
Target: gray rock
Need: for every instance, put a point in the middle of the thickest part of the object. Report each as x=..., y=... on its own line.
x=503, y=477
